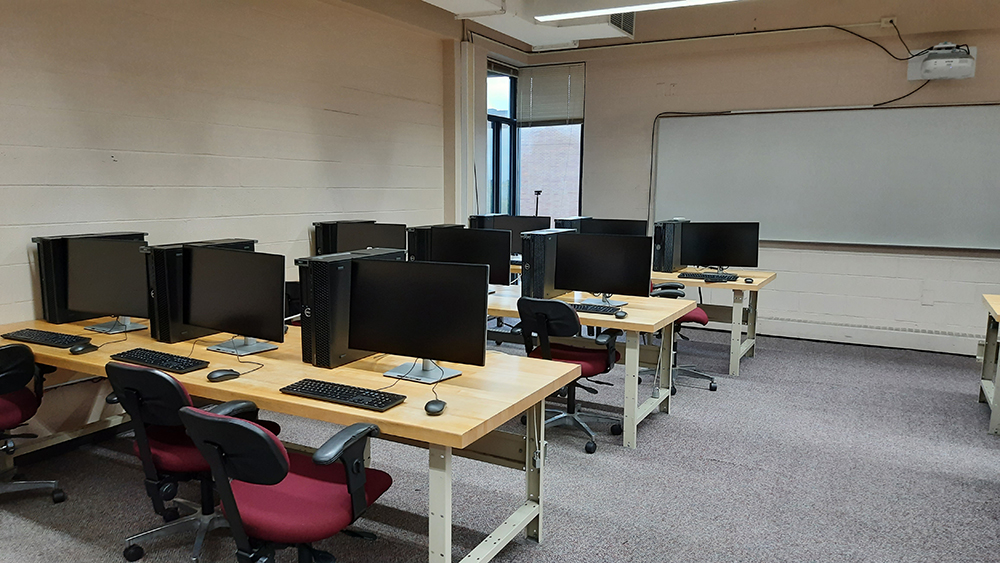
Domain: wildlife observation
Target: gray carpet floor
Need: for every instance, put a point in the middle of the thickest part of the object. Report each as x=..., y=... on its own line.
x=817, y=452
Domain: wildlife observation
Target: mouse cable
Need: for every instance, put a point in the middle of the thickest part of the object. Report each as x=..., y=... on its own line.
x=400, y=378
x=116, y=323
x=240, y=359
x=438, y=379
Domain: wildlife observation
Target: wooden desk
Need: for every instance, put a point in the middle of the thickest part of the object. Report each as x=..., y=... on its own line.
x=645, y=314
x=479, y=401
x=988, y=382
x=737, y=346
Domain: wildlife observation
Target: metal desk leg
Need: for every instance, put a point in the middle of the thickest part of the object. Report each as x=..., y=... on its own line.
x=631, y=389
x=736, y=338
x=534, y=465
x=752, y=323
x=666, y=375
x=987, y=386
x=439, y=521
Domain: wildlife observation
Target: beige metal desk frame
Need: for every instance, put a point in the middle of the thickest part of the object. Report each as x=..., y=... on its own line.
x=988, y=382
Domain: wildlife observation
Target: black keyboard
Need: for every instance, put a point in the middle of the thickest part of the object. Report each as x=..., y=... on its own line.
x=45, y=338
x=713, y=277
x=591, y=308
x=160, y=360
x=344, y=394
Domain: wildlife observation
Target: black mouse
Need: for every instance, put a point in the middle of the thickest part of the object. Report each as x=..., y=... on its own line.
x=435, y=407
x=224, y=374
x=621, y=314
x=749, y=280
x=82, y=348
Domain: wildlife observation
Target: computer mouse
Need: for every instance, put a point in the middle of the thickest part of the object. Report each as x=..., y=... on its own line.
x=222, y=375
x=749, y=280
x=82, y=348
x=435, y=407
x=621, y=314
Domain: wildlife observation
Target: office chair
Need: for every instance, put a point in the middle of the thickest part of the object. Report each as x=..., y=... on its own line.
x=18, y=403
x=274, y=498
x=674, y=290
x=152, y=399
x=549, y=317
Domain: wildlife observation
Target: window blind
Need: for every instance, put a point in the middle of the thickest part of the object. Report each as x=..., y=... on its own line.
x=550, y=95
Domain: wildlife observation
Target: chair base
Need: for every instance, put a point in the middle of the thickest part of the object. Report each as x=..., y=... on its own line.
x=562, y=418
x=202, y=523
x=693, y=373
x=8, y=485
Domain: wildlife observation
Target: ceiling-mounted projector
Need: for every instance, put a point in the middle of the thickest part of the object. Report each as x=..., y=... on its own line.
x=947, y=61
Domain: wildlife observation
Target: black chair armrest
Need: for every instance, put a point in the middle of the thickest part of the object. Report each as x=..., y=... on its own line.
x=608, y=337
x=238, y=409
x=335, y=447
x=667, y=293
x=669, y=285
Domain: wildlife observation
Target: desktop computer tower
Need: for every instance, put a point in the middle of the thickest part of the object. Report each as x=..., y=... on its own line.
x=538, y=263
x=571, y=223
x=326, y=235
x=397, y=254
x=52, y=274
x=667, y=245
x=418, y=240
x=482, y=221
x=165, y=274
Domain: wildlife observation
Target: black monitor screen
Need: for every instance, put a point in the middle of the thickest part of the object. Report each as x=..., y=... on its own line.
x=604, y=263
x=355, y=236
x=425, y=310
x=107, y=277
x=636, y=227
x=719, y=244
x=236, y=291
x=474, y=246
x=518, y=224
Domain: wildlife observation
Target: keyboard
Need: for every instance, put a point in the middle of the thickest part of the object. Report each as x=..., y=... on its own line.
x=590, y=308
x=45, y=338
x=712, y=277
x=344, y=394
x=160, y=360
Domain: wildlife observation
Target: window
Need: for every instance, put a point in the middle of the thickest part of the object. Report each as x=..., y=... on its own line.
x=501, y=142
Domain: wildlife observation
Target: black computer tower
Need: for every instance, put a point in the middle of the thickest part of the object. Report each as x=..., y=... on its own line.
x=667, y=245
x=418, y=240
x=482, y=221
x=571, y=223
x=538, y=263
x=326, y=235
x=165, y=274
x=325, y=286
x=52, y=274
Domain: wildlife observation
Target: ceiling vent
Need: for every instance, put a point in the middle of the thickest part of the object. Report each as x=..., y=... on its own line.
x=625, y=22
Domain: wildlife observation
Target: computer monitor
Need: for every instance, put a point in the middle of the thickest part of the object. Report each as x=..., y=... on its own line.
x=518, y=224
x=474, y=246
x=593, y=226
x=107, y=277
x=356, y=236
x=426, y=310
x=720, y=244
x=604, y=264
x=238, y=292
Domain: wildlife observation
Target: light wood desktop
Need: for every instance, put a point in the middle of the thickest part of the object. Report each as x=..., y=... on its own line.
x=742, y=293
x=988, y=382
x=478, y=402
x=645, y=314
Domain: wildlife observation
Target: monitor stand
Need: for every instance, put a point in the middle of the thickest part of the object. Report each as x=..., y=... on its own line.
x=245, y=348
x=605, y=301
x=117, y=326
x=426, y=373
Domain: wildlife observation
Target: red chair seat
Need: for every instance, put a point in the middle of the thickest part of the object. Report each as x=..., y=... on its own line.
x=17, y=407
x=310, y=504
x=591, y=361
x=698, y=315
x=173, y=451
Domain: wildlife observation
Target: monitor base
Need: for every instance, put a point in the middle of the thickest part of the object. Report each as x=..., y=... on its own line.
x=604, y=301
x=123, y=324
x=428, y=372
x=245, y=348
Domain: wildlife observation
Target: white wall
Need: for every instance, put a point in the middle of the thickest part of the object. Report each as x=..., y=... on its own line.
x=210, y=119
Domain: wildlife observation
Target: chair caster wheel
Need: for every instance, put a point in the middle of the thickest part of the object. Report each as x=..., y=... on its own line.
x=713, y=387
x=524, y=419
x=498, y=342
x=640, y=381
x=58, y=495
x=616, y=429
x=171, y=514
x=134, y=552
x=590, y=448
x=673, y=389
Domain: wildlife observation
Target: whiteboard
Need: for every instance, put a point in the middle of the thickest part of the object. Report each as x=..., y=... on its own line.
x=911, y=176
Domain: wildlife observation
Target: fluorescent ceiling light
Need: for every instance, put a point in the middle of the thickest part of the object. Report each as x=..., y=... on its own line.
x=623, y=9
